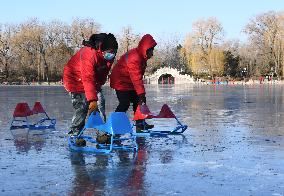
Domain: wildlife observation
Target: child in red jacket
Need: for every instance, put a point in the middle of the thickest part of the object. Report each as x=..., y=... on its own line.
x=127, y=77
x=85, y=73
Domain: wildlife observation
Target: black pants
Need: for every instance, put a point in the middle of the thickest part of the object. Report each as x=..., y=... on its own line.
x=125, y=98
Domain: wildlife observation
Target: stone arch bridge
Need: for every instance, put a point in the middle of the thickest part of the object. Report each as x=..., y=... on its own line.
x=168, y=75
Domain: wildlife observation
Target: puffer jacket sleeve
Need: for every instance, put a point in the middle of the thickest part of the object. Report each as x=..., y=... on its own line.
x=136, y=75
x=89, y=59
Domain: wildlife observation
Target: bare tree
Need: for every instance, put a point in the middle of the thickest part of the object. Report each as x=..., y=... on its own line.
x=82, y=29
x=6, y=56
x=59, y=48
x=168, y=53
x=203, y=46
x=25, y=47
x=127, y=40
x=266, y=32
x=34, y=50
x=38, y=51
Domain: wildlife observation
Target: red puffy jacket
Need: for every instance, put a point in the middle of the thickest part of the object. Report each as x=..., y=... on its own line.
x=86, y=72
x=128, y=73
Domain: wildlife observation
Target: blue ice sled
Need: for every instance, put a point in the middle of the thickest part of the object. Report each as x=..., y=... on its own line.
x=117, y=126
x=22, y=112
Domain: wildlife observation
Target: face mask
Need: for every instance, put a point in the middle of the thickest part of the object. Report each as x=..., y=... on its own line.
x=109, y=56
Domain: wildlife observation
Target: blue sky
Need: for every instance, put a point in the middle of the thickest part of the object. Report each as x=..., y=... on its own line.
x=161, y=18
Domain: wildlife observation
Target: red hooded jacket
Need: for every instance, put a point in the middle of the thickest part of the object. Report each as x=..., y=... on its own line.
x=128, y=73
x=86, y=72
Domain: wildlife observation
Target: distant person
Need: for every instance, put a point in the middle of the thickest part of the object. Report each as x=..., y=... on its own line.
x=261, y=79
x=84, y=75
x=127, y=77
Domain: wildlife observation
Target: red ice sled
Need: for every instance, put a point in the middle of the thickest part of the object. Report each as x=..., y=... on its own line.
x=143, y=112
x=23, y=111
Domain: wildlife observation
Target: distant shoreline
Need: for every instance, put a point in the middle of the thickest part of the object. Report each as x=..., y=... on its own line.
x=251, y=82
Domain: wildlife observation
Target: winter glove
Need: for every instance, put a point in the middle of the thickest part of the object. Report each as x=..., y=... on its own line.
x=141, y=99
x=93, y=106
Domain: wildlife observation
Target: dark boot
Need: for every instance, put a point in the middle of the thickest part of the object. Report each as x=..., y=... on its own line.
x=103, y=138
x=141, y=126
x=80, y=142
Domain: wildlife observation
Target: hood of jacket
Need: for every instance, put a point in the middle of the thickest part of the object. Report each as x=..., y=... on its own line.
x=145, y=43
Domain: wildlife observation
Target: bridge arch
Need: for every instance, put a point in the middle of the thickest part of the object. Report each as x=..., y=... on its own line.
x=166, y=79
x=168, y=75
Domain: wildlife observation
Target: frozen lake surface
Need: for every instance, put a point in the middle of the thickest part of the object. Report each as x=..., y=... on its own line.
x=234, y=146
